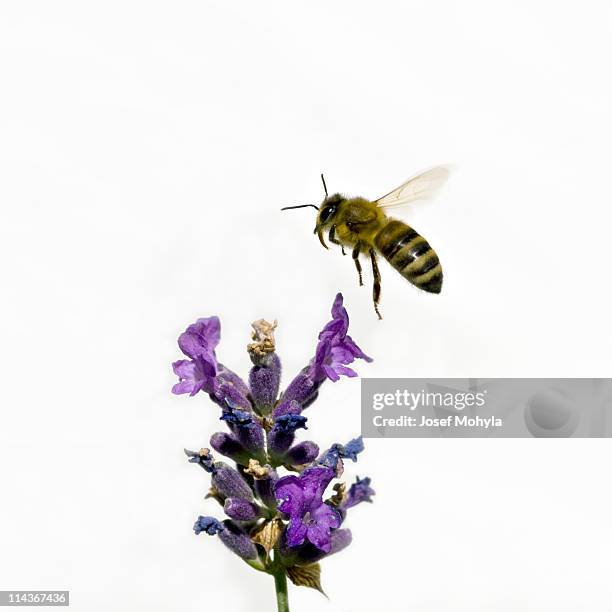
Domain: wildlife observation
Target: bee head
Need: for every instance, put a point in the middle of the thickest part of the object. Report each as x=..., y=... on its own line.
x=327, y=211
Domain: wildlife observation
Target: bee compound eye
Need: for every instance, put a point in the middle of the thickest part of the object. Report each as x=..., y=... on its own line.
x=327, y=213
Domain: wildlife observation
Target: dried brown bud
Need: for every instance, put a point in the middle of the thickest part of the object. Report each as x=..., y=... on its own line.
x=263, y=336
x=340, y=495
x=256, y=470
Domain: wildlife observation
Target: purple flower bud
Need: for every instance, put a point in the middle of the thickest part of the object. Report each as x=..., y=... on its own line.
x=228, y=445
x=302, y=389
x=264, y=487
x=360, y=491
x=287, y=407
x=252, y=438
x=229, y=395
x=203, y=458
x=237, y=541
x=241, y=509
x=229, y=482
x=302, y=453
x=264, y=381
x=227, y=375
x=247, y=429
x=208, y=524
x=282, y=434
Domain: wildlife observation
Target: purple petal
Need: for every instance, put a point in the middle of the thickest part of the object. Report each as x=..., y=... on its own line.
x=355, y=350
x=330, y=372
x=184, y=368
x=290, y=495
x=344, y=371
x=313, y=482
x=320, y=536
x=338, y=311
x=340, y=539
x=326, y=515
x=185, y=386
x=201, y=338
x=193, y=376
x=296, y=533
x=322, y=520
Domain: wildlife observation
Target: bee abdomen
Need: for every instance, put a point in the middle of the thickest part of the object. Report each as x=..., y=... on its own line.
x=410, y=254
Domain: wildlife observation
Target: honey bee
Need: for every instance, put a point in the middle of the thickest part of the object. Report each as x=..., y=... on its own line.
x=363, y=226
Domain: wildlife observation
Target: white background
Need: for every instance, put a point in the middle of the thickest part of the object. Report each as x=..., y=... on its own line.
x=146, y=148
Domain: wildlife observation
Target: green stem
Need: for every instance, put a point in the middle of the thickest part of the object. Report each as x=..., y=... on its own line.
x=280, y=582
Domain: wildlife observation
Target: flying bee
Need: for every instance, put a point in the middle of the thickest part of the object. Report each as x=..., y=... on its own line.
x=363, y=226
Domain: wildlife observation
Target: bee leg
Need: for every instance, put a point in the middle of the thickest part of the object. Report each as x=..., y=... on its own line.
x=356, y=250
x=332, y=237
x=376, y=287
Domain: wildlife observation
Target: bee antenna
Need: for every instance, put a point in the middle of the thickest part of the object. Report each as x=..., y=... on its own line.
x=324, y=185
x=300, y=206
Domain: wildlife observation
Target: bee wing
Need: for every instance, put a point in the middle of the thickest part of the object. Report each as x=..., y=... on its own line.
x=419, y=187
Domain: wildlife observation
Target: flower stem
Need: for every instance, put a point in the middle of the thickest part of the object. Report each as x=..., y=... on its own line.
x=280, y=583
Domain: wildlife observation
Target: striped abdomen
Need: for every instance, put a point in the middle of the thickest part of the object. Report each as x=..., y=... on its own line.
x=410, y=254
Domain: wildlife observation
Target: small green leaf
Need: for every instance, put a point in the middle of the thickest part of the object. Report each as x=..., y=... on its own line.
x=306, y=575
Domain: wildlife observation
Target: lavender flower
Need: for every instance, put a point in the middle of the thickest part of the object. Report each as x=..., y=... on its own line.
x=335, y=349
x=301, y=499
x=198, y=341
x=333, y=456
x=360, y=491
x=207, y=524
x=279, y=525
